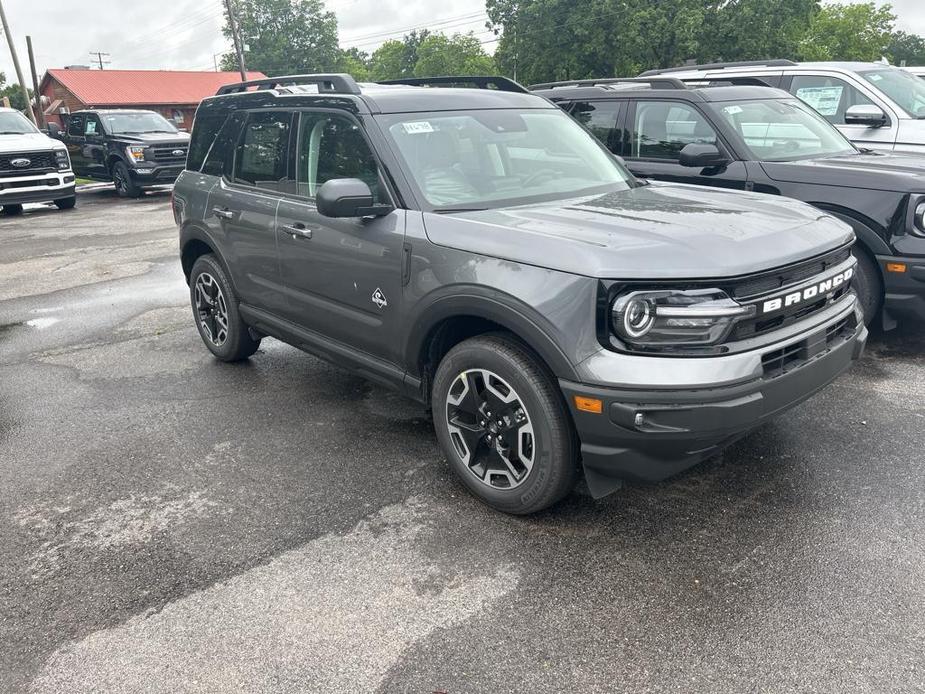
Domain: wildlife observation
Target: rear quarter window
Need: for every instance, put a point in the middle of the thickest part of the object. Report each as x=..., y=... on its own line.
x=205, y=128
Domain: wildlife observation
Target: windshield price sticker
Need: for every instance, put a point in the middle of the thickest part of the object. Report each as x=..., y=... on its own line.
x=732, y=110
x=417, y=127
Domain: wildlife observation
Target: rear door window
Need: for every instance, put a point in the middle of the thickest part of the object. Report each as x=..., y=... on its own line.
x=262, y=155
x=601, y=118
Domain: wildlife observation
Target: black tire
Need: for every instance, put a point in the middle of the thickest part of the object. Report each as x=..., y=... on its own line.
x=122, y=179
x=66, y=203
x=12, y=209
x=551, y=443
x=231, y=341
x=867, y=285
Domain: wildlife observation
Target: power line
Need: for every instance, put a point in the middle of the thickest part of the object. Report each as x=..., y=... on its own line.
x=99, y=58
x=384, y=35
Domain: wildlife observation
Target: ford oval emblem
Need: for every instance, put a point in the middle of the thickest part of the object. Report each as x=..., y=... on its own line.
x=21, y=163
x=178, y=152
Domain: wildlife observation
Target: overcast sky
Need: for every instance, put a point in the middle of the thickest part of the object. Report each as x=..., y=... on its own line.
x=184, y=34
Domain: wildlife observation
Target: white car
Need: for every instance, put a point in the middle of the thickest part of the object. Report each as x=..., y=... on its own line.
x=33, y=166
x=918, y=71
x=876, y=106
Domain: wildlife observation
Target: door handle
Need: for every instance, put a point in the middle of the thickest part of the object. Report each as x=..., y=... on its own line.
x=222, y=213
x=297, y=230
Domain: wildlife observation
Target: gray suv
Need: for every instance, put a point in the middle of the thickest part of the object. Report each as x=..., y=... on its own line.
x=481, y=252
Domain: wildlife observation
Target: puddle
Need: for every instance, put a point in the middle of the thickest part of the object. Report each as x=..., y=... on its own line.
x=42, y=323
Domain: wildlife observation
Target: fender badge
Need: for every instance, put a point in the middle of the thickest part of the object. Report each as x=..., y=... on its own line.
x=379, y=298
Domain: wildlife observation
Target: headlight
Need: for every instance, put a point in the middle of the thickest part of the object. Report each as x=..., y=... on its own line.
x=135, y=153
x=659, y=319
x=918, y=219
x=62, y=159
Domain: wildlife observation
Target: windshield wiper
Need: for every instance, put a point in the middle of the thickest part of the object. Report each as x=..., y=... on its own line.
x=12, y=132
x=169, y=132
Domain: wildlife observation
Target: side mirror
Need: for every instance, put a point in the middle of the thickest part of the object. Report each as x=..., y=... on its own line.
x=865, y=114
x=701, y=156
x=53, y=130
x=348, y=197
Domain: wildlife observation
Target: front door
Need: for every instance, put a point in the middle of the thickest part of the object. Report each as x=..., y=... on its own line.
x=94, y=147
x=658, y=131
x=342, y=276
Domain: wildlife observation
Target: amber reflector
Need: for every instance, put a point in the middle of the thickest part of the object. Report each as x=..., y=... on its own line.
x=592, y=405
x=895, y=267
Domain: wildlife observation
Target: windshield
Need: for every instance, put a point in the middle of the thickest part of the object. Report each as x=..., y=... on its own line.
x=906, y=90
x=134, y=123
x=15, y=123
x=782, y=130
x=477, y=159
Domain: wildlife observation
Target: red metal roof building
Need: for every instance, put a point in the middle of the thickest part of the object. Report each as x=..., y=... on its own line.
x=172, y=93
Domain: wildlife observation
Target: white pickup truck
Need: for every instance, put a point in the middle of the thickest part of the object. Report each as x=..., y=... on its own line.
x=33, y=166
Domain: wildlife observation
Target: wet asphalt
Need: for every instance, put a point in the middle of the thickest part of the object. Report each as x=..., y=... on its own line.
x=172, y=524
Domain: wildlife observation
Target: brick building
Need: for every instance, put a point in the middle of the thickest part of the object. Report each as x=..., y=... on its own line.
x=172, y=93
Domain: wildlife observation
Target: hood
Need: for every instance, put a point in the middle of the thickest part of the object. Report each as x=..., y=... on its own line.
x=894, y=172
x=658, y=231
x=910, y=137
x=30, y=142
x=154, y=138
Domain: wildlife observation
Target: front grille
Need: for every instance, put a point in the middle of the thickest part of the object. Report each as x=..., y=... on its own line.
x=775, y=280
x=39, y=162
x=786, y=359
x=165, y=153
x=29, y=184
x=759, y=326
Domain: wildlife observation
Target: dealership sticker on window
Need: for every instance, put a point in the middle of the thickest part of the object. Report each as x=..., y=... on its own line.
x=732, y=110
x=417, y=127
x=875, y=77
x=824, y=99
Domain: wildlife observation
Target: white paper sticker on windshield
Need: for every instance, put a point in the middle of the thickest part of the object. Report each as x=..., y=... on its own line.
x=417, y=127
x=824, y=99
x=732, y=110
x=875, y=77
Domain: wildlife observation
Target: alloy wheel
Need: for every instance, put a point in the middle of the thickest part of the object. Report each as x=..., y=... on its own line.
x=211, y=309
x=490, y=428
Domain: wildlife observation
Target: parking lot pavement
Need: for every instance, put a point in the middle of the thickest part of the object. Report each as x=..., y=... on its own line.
x=169, y=523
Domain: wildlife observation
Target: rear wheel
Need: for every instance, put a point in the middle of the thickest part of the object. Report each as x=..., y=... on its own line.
x=123, y=182
x=12, y=209
x=503, y=425
x=66, y=203
x=867, y=285
x=215, y=309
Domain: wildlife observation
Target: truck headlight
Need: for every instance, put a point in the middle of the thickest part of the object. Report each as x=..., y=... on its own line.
x=62, y=159
x=136, y=153
x=667, y=318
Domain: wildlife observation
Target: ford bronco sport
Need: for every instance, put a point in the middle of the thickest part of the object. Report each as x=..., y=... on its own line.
x=766, y=140
x=33, y=167
x=133, y=149
x=479, y=251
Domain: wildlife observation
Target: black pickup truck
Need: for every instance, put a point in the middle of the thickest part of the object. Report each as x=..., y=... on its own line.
x=133, y=149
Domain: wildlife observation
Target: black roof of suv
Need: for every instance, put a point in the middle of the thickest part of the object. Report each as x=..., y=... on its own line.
x=477, y=250
x=771, y=142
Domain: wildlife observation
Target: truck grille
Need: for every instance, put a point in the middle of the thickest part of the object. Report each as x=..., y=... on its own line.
x=775, y=280
x=791, y=357
x=165, y=153
x=39, y=162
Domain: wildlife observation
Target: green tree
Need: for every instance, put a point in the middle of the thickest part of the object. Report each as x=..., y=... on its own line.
x=354, y=62
x=755, y=29
x=849, y=32
x=396, y=59
x=906, y=47
x=286, y=36
x=14, y=93
x=459, y=54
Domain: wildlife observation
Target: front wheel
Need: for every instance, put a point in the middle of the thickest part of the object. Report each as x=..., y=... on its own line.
x=122, y=180
x=867, y=285
x=503, y=425
x=12, y=209
x=66, y=203
x=215, y=310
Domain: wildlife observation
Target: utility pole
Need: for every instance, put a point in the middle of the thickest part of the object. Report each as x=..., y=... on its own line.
x=99, y=57
x=236, y=37
x=39, y=113
x=22, y=82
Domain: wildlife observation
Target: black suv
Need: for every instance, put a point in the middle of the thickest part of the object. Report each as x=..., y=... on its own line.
x=766, y=140
x=133, y=149
x=479, y=251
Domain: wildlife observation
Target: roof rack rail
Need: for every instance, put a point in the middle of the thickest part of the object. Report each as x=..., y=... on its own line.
x=657, y=83
x=503, y=84
x=334, y=83
x=777, y=62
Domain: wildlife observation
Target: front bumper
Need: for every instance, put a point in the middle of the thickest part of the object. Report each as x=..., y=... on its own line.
x=38, y=188
x=648, y=434
x=154, y=175
x=904, y=292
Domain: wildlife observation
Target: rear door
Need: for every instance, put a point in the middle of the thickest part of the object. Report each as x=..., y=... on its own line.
x=602, y=118
x=94, y=147
x=251, y=153
x=75, y=138
x=343, y=277
x=660, y=128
